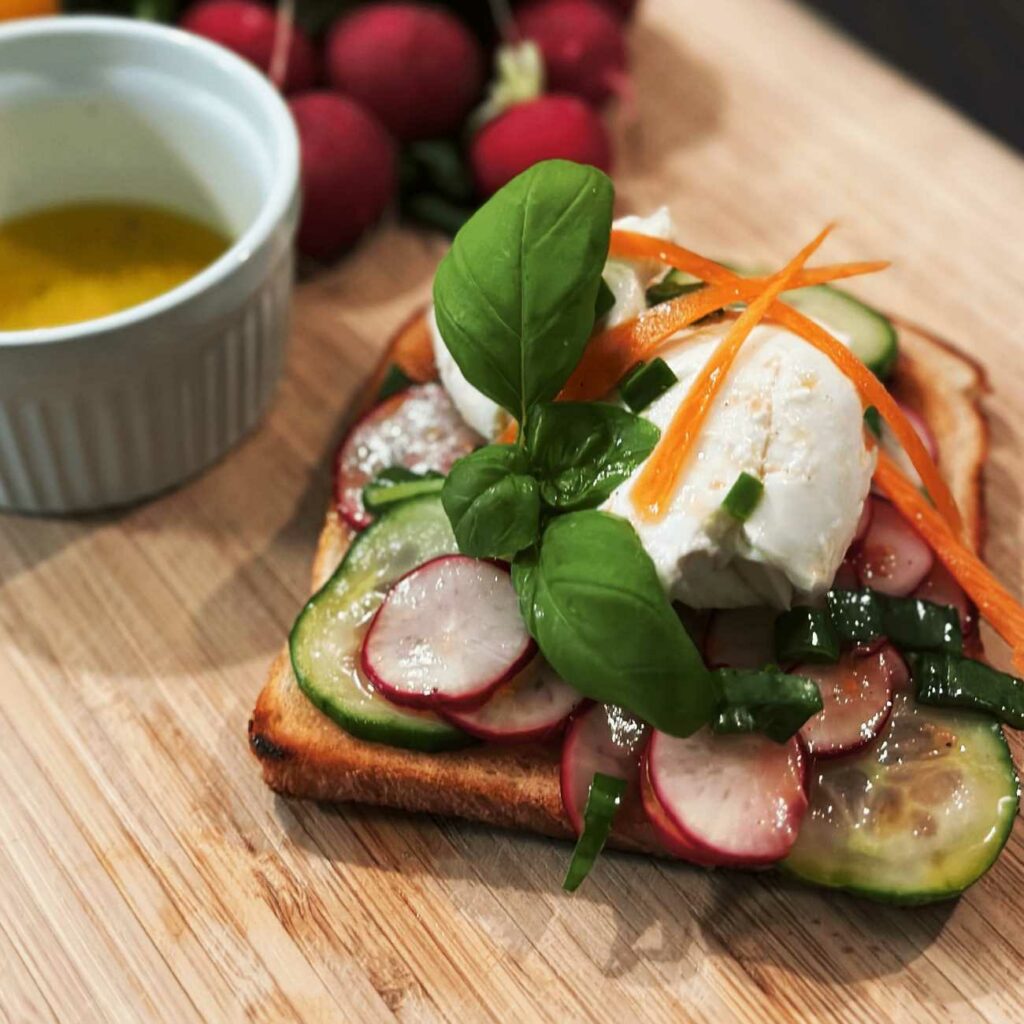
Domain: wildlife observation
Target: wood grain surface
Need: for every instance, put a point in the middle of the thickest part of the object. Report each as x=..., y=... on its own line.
x=147, y=875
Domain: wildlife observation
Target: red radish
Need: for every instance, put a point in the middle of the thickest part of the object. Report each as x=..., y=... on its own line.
x=922, y=429
x=846, y=576
x=416, y=66
x=892, y=557
x=864, y=521
x=740, y=638
x=449, y=633
x=737, y=800
x=582, y=44
x=531, y=706
x=625, y=9
x=349, y=171
x=695, y=621
x=668, y=835
x=940, y=587
x=857, y=696
x=418, y=428
x=251, y=29
x=549, y=127
x=601, y=738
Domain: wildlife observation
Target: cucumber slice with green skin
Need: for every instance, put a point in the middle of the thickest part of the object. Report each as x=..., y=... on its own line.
x=326, y=638
x=872, y=337
x=916, y=817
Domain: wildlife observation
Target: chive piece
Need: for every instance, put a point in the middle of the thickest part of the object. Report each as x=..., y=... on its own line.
x=645, y=383
x=860, y=616
x=743, y=497
x=764, y=700
x=396, y=483
x=605, y=300
x=806, y=634
x=603, y=802
x=395, y=380
x=952, y=681
x=873, y=421
x=671, y=286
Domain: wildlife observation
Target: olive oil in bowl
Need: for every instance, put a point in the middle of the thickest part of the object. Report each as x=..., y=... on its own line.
x=81, y=261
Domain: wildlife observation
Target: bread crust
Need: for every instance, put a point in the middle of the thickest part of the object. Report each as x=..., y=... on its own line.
x=305, y=754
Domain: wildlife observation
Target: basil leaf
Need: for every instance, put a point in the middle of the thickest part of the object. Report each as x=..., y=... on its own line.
x=591, y=598
x=581, y=451
x=492, y=502
x=516, y=293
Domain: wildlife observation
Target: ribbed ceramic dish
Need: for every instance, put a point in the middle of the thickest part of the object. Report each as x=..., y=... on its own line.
x=106, y=412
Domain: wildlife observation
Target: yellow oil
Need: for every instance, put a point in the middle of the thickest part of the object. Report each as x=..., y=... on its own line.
x=80, y=261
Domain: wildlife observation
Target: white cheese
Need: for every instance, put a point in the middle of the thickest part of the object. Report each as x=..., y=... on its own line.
x=790, y=418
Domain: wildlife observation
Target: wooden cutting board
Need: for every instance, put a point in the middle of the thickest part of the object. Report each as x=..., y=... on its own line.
x=146, y=874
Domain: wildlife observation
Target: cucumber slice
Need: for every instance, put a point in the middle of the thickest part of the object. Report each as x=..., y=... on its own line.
x=917, y=816
x=872, y=337
x=327, y=635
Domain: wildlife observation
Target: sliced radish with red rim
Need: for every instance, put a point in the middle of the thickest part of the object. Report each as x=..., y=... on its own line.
x=601, y=738
x=740, y=638
x=736, y=800
x=532, y=705
x=846, y=577
x=856, y=694
x=668, y=835
x=449, y=633
x=940, y=588
x=892, y=558
x=418, y=428
x=923, y=431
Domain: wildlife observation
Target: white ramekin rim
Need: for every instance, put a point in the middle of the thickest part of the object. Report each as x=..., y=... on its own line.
x=273, y=210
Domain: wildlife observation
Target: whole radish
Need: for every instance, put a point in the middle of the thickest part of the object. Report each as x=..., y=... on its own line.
x=349, y=171
x=250, y=30
x=418, y=68
x=548, y=127
x=582, y=44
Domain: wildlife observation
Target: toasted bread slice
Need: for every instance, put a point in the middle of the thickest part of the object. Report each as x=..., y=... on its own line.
x=305, y=754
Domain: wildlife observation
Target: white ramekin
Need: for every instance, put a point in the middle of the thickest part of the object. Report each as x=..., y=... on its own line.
x=104, y=412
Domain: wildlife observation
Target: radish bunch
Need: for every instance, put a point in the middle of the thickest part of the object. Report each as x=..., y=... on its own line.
x=387, y=101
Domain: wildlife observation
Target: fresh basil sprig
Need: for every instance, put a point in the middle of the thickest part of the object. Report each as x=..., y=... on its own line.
x=492, y=502
x=581, y=451
x=516, y=293
x=591, y=598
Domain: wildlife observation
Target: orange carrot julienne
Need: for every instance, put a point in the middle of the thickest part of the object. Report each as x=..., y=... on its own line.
x=873, y=392
x=614, y=351
x=659, y=474
x=630, y=245
x=994, y=602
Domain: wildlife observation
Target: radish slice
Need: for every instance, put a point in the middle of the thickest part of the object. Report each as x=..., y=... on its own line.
x=669, y=837
x=857, y=696
x=740, y=638
x=846, y=577
x=940, y=587
x=449, y=633
x=866, y=511
x=737, y=800
x=418, y=428
x=922, y=430
x=601, y=738
x=892, y=558
x=531, y=706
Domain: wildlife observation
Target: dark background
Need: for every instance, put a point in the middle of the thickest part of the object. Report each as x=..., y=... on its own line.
x=971, y=52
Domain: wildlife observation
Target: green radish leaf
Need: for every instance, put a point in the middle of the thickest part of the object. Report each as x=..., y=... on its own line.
x=592, y=600
x=516, y=293
x=581, y=451
x=492, y=502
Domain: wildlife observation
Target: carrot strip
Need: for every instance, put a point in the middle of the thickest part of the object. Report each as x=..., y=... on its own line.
x=630, y=245
x=994, y=601
x=654, y=485
x=873, y=392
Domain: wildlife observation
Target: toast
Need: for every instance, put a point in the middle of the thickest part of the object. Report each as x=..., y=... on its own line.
x=305, y=754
